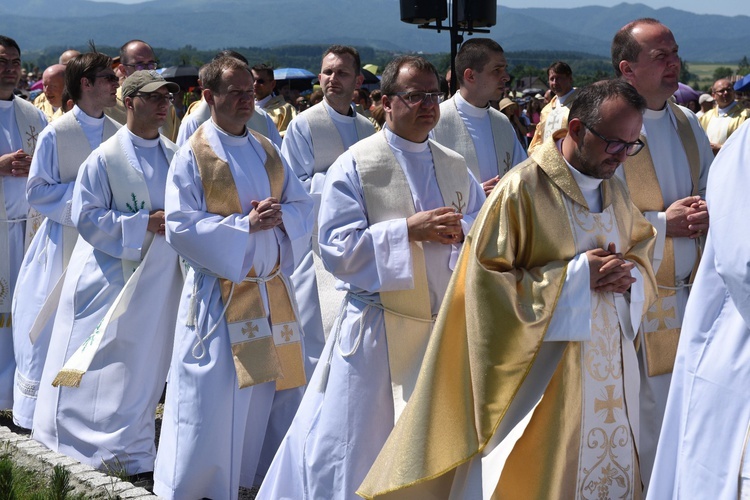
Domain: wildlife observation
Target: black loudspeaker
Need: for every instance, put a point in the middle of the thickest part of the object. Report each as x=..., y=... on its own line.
x=423, y=11
x=478, y=13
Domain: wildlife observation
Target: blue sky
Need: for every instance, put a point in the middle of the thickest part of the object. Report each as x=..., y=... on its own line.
x=726, y=7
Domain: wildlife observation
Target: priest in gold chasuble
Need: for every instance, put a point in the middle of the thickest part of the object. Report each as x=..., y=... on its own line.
x=529, y=387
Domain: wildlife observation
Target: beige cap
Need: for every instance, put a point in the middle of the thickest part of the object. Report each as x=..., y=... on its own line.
x=146, y=80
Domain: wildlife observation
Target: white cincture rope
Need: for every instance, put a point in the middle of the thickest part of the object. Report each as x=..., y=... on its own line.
x=193, y=308
x=22, y=219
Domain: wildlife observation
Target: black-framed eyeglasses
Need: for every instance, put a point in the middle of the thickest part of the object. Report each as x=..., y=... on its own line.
x=110, y=77
x=417, y=97
x=155, y=97
x=143, y=65
x=615, y=146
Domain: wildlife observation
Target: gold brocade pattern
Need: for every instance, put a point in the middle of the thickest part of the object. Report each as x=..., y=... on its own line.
x=510, y=273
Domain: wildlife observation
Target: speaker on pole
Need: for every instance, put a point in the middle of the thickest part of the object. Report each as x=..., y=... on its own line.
x=423, y=11
x=476, y=13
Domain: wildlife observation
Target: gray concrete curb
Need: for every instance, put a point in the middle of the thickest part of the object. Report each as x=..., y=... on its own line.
x=84, y=479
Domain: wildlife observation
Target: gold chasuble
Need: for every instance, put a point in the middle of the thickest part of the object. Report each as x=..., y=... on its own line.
x=261, y=352
x=661, y=326
x=487, y=365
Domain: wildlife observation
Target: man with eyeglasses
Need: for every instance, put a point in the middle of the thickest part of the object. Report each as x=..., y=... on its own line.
x=469, y=125
x=112, y=335
x=137, y=55
x=240, y=217
x=722, y=120
x=530, y=380
x=395, y=208
x=667, y=182
x=61, y=149
x=20, y=125
x=265, y=98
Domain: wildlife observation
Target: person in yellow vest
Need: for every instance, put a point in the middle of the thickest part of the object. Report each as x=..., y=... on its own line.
x=281, y=111
x=137, y=55
x=554, y=115
x=50, y=100
x=667, y=182
x=529, y=387
x=241, y=219
x=725, y=118
x=20, y=125
x=395, y=209
x=469, y=125
x=112, y=336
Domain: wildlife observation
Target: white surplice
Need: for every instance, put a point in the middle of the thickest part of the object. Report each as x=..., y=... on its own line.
x=17, y=208
x=43, y=263
x=212, y=431
x=342, y=424
x=109, y=420
x=673, y=173
x=703, y=447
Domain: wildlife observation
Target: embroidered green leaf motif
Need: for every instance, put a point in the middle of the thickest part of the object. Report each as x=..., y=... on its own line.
x=135, y=207
x=90, y=341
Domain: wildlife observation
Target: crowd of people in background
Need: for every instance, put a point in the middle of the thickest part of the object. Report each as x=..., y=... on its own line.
x=377, y=292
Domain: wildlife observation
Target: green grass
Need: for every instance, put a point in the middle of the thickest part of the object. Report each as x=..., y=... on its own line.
x=20, y=483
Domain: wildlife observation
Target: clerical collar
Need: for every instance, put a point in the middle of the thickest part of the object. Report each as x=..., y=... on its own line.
x=7, y=104
x=82, y=117
x=141, y=142
x=563, y=98
x=230, y=139
x=585, y=182
x=725, y=111
x=655, y=114
x=468, y=108
x=402, y=144
x=262, y=103
x=336, y=116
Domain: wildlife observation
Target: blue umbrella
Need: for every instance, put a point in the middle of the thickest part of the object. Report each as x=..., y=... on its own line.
x=292, y=74
x=743, y=85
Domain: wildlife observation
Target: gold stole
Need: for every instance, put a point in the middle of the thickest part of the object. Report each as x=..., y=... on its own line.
x=261, y=352
x=407, y=313
x=661, y=340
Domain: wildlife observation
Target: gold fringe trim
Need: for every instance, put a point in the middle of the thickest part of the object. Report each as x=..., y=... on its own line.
x=68, y=378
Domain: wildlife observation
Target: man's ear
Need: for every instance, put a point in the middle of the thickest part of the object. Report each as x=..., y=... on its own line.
x=209, y=97
x=128, y=101
x=385, y=101
x=625, y=68
x=576, y=130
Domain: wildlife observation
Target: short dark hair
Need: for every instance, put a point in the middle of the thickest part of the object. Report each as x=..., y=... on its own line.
x=561, y=68
x=9, y=43
x=124, y=50
x=84, y=66
x=624, y=45
x=390, y=73
x=211, y=72
x=264, y=69
x=231, y=53
x=474, y=54
x=587, y=106
x=340, y=50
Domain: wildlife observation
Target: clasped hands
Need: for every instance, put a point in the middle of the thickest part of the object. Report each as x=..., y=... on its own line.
x=266, y=214
x=609, y=271
x=687, y=218
x=442, y=225
x=15, y=164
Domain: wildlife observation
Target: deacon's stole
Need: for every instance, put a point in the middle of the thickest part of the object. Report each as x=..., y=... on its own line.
x=661, y=326
x=407, y=313
x=262, y=352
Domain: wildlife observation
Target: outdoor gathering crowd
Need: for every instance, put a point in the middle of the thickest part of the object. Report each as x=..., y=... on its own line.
x=384, y=294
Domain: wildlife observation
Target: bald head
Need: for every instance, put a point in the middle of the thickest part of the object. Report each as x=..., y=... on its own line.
x=53, y=80
x=68, y=55
x=135, y=55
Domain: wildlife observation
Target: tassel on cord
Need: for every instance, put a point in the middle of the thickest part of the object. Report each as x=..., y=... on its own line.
x=192, y=315
x=68, y=378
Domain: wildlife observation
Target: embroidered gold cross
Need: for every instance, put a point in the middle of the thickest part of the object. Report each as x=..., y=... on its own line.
x=459, y=205
x=31, y=137
x=249, y=330
x=608, y=404
x=287, y=333
x=661, y=314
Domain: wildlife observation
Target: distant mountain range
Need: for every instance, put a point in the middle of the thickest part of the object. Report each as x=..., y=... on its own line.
x=207, y=24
